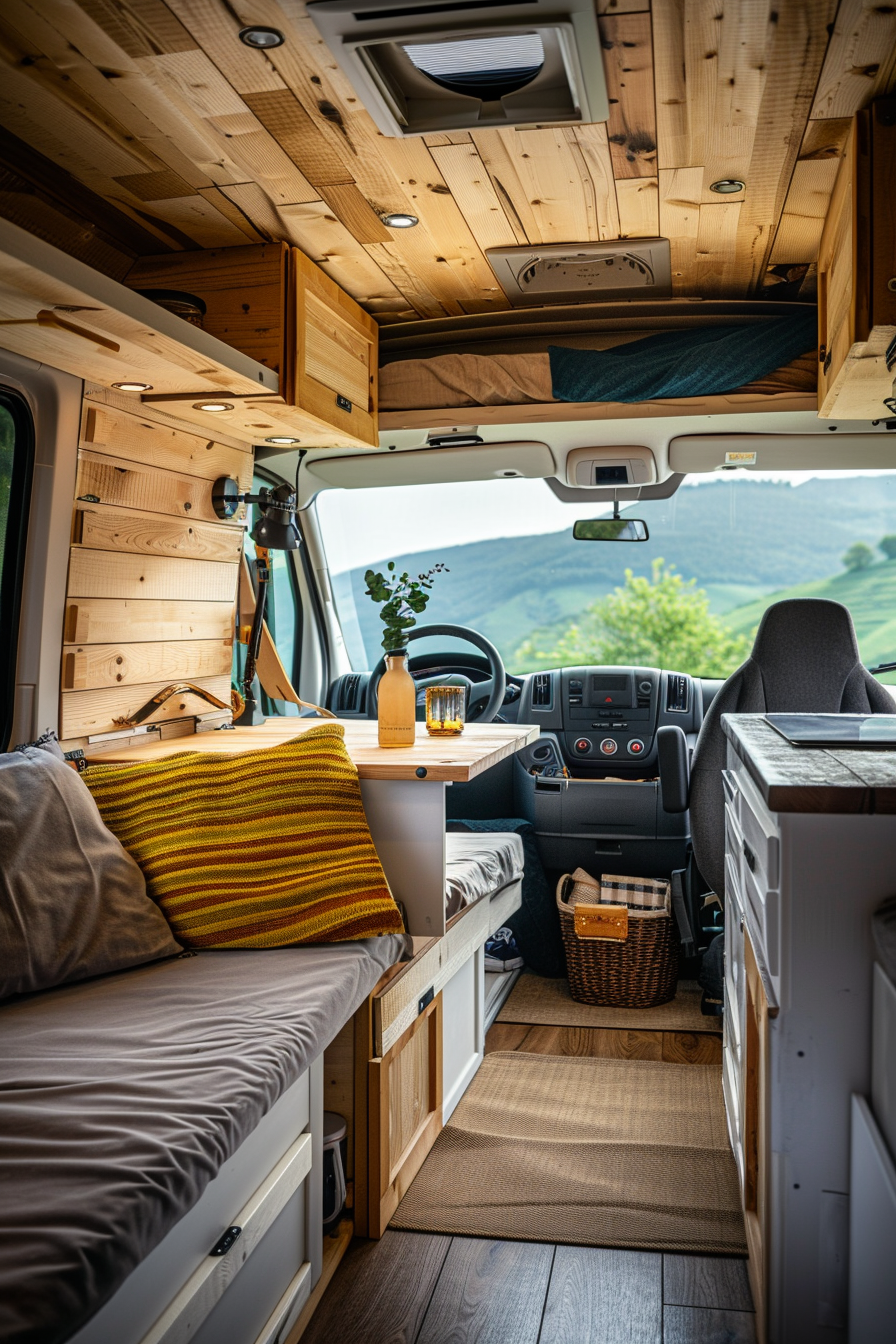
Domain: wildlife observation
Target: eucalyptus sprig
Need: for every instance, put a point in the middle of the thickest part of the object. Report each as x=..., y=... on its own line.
x=405, y=599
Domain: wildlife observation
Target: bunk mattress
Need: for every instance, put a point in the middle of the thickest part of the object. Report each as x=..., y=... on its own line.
x=461, y=380
x=479, y=865
x=122, y=1097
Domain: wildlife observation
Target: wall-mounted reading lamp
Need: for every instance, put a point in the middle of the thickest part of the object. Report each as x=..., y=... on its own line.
x=275, y=530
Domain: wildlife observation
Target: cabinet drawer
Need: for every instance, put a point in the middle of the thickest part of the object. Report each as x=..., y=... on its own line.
x=764, y=904
x=760, y=845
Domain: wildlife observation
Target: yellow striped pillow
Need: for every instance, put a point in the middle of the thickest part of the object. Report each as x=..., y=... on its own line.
x=254, y=849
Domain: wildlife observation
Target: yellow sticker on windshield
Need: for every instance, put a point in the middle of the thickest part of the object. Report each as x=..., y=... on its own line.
x=740, y=459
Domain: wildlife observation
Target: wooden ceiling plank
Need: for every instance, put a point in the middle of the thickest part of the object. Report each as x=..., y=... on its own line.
x=315, y=230
x=679, y=221
x=793, y=63
x=22, y=205
x=448, y=138
x=260, y=159
x=495, y=150
x=281, y=113
x=199, y=219
x=406, y=283
x=738, y=75
x=355, y=212
x=628, y=62
x=467, y=178
x=140, y=27
x=805, y=210
x=443, y=239
x=592, y=143
x=638, y=200
x=622, y=6
x=543, y=177
x=672, y=120
x=716, y=238
x=198, y=81
x=215, y=29
x=861, y=59
x=238, y=218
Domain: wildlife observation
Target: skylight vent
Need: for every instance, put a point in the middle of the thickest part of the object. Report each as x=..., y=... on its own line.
x=628, y=269
x=437, y=66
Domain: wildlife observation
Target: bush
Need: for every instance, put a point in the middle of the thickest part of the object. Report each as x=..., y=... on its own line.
x=660, y=621
x=859, y=556
x=887, y=544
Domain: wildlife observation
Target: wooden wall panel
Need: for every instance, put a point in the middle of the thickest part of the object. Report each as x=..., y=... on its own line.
x=153, y=573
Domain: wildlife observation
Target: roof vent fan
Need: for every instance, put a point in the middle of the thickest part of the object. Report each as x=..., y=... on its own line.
x=633, y=268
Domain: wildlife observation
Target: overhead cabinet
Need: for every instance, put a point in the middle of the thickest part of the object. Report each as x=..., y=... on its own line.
x=273, y=304
x=857, y=275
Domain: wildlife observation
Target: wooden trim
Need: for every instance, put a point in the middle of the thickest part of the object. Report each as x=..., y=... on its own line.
x=363, y=1046
x=756, y=1104
x=289, y=1309
x=728, y=403
x=206, y=1286
x=334, y=1250
x=391, y=1175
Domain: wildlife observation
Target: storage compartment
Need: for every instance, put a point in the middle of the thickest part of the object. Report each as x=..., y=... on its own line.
x=872, y=1231
x=856, y=306
x=605, y=826
x=272, y=303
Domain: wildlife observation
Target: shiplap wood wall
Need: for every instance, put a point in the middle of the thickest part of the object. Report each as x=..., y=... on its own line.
x=156, y=109
x=152, y=572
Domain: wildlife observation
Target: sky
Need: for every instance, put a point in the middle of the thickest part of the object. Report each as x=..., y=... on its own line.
x=363, y=527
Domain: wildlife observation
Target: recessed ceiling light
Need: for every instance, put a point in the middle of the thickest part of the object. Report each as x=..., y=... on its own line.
x=262, y=38
x=281, y=439
x=399, y=221
x=727, y=186
x=212, y=406
x=133, y=387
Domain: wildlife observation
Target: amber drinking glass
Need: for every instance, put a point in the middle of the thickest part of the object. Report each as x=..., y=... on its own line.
x=445, y=710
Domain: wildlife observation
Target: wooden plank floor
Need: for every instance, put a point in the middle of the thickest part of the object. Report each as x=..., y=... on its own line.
x=415, y=1288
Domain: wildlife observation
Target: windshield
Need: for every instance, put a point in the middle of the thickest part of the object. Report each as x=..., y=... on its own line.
x=720, y=551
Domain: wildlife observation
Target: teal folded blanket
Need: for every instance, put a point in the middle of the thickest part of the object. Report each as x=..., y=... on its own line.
x=699, y=363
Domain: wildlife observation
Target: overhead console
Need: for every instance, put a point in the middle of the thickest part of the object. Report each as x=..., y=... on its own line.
x=590, y=468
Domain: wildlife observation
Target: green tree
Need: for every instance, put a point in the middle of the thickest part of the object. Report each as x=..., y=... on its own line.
x=657, y=621
x=887, y=544
x=859, y=556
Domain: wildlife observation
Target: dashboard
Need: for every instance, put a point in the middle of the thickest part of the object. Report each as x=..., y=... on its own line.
x=598, y=720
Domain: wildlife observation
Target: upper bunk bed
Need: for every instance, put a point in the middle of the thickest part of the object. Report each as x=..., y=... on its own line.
x=549, y=364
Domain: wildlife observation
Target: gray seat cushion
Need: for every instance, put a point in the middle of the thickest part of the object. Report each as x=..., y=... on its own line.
x=805, y=660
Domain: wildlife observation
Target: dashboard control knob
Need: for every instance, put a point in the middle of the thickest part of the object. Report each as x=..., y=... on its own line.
x=636, y=747
x=645, y=687
x=609, y=746
x=583, y=745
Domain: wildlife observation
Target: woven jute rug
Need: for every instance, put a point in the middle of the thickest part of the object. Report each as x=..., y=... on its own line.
x=547, y=1003
x=592, y=1152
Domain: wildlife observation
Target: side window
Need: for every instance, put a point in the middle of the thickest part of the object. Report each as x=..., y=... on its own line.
x=16, y=467
x=283, y=615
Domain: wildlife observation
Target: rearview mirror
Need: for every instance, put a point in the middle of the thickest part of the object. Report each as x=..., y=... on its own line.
x=610, y=529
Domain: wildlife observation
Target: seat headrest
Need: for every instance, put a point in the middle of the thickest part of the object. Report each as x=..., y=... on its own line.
x=805, y=648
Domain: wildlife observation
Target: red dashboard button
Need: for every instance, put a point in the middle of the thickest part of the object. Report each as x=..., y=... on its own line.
x=636, y=747
x=583, y=745
x=609, y=746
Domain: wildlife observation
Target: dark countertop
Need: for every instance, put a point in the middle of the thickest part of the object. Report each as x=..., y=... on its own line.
x=812, y=779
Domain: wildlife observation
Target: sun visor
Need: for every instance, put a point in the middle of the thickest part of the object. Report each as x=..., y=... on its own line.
x=698, y=453
x=434, y=466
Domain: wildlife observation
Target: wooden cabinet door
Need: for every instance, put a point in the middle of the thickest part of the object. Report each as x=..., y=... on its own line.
x=405, y=1113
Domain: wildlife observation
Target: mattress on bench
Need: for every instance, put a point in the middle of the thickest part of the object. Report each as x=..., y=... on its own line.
x=122, y=1097
x=479, y=864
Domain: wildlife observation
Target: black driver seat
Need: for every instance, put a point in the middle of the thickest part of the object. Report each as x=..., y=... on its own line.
x=805, y=660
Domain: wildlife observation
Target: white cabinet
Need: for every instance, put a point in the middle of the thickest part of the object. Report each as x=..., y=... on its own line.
x=801, y=886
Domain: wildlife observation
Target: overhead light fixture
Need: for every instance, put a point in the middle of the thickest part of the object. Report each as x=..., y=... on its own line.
x=133, y=387
x=212, y=406
x=282, y=440
x=399, y=221
x=262, y=39
x=727, y=186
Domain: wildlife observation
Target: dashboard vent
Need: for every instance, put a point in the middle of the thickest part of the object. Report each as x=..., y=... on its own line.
x=677, y=693
x=347, y=698
x=541, y=690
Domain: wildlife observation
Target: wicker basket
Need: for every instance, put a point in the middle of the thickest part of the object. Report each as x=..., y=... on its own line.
x=639, y=970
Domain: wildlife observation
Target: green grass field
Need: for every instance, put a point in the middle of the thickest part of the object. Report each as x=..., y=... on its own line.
x=870, y=594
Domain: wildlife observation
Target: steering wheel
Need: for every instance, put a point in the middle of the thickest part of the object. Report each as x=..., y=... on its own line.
x=491, y=691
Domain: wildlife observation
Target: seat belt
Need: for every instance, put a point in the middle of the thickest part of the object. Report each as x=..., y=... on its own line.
x=679, y=905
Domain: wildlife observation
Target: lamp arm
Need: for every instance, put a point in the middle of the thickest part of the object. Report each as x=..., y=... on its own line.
x=262, y=574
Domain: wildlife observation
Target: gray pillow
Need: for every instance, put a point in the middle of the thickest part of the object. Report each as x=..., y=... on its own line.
x=73, y=902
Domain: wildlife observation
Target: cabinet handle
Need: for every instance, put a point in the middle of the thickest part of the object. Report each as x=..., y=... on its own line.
x=750, y=857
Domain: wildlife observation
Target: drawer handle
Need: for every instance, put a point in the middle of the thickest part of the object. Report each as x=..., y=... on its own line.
x=750, y=857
